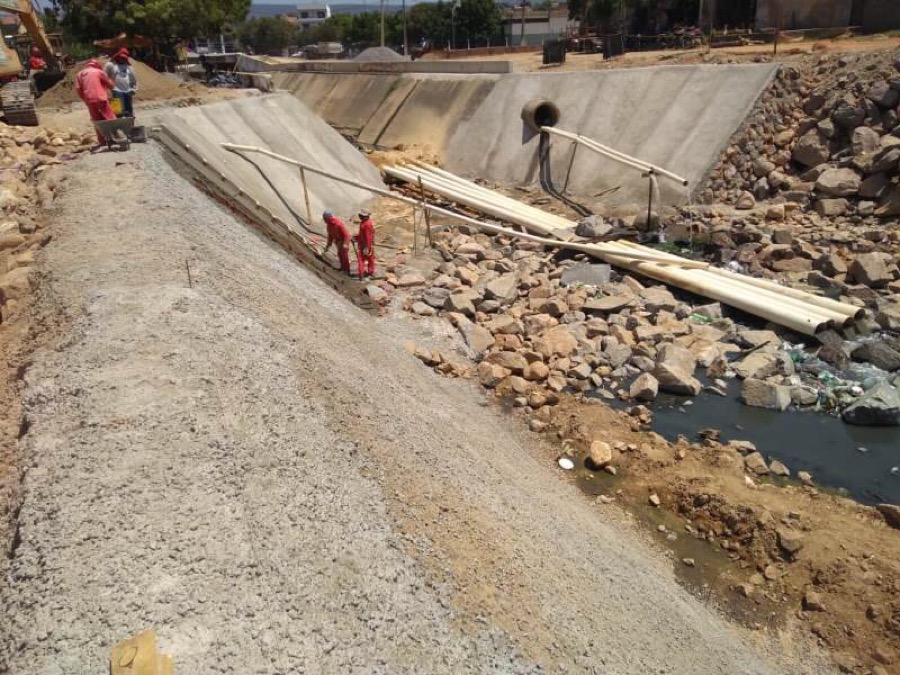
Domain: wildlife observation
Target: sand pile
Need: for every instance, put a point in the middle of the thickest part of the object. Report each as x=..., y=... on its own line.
x=152, y=86
x=379, y=54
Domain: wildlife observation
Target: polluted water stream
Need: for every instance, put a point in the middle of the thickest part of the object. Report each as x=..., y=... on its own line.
x=859, y=460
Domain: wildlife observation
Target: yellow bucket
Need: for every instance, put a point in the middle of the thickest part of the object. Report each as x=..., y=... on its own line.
x=116, y=105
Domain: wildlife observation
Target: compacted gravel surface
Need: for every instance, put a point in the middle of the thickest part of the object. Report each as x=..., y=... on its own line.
x=259, y=471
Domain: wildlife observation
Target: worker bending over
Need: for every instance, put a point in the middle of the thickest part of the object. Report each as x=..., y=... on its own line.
x=365, y=245
x=93, y=86
x=340, y=237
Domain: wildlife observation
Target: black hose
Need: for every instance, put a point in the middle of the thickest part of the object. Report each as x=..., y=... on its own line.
x=546, y=178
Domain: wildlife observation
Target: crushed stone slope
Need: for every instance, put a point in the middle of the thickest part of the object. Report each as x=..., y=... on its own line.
x=259, y=471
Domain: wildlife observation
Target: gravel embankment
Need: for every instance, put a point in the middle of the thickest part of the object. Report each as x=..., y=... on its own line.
x=259, y=471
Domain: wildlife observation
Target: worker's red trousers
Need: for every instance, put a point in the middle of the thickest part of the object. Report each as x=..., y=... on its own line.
x=343, y=252
x=366, y=263
x=101, y=110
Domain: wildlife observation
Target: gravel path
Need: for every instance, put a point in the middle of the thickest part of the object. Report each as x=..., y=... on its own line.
x=258, y=470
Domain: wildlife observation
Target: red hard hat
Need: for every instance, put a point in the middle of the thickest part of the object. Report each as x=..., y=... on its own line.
x=122, y=54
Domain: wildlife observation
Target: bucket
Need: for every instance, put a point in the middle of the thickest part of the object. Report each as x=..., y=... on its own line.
x=116, y=105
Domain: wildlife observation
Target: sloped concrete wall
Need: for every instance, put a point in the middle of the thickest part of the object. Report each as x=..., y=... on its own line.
x=282, y=124
x=392, y=109
x=679, y=117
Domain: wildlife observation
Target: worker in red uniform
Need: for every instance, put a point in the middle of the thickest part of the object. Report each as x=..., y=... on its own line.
x=365, y=245
x=36, y=62
x=340, y=237
x=93, y=87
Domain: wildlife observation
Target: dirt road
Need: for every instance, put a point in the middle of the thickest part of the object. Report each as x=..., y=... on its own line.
x=222, y=448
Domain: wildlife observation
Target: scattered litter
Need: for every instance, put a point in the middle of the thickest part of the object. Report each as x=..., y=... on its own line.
x=566, y=463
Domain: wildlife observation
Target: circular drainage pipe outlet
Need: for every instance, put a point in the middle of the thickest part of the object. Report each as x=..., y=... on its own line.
x=540, y=113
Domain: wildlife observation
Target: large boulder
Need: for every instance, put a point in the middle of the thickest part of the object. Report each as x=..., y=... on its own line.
x=436, y=297
x=503, y=289
x=838, y=183
x=512, y=361
x=490, y=374
x=460, y=303
x=886, y=159
x=644, y=388
x=674, y=370
x=760, y=365
x=832, y=207
x=873, y=186
x=864, y=139
x=848, y=115
x=557, y=341
x=14, y=284
x=890, y=207
x=882, y=94
x=879, y=355
x=871, y=269
x=658, y=298
x=592, y=227
x=477, y=337
x=762, y=394
x=812, y=149
x=880, y=406
x=599, y=455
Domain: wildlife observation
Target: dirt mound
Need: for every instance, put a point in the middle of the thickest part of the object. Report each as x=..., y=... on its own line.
x=152, y=86
x=380, y=54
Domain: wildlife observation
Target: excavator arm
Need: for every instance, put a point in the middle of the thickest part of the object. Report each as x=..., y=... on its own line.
x=35, y=28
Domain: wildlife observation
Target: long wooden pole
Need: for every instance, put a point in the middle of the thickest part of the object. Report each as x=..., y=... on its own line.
x=426, y=213
x=616, y=155
x=587, y=248
x=306, y=196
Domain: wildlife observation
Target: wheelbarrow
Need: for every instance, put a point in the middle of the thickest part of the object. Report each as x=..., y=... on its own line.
x=116, y=133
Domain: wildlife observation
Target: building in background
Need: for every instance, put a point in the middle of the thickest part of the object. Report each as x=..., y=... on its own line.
x=539, y=24
x=312, y=14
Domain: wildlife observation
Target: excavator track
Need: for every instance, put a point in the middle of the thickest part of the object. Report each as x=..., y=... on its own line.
x=18, y=104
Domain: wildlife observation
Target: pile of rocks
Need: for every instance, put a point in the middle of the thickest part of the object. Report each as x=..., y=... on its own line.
x=25, y=156
x=826, y=134
x=536, y=329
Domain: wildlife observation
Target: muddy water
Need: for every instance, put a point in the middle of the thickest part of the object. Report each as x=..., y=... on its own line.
x=856, y=459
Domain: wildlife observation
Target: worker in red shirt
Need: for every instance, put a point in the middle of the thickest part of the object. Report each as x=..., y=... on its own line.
x=340, y=237
x=93, y=87
x=36, y=62
x=365, y=245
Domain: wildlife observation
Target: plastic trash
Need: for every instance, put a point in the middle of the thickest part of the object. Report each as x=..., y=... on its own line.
x=566, y=463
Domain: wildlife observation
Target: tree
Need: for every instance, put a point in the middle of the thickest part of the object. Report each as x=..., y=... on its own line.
x=90, y=20
x=268, y=34
x=479, y=20
x=431, y=22
x=333, y=29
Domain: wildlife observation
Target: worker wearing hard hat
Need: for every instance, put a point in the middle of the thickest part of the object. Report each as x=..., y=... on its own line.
x=365, y=245
x=340, y=237
x=93, y=86
x=119, y=70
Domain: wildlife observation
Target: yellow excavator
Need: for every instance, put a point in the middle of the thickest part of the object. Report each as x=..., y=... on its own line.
x=17, y=95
